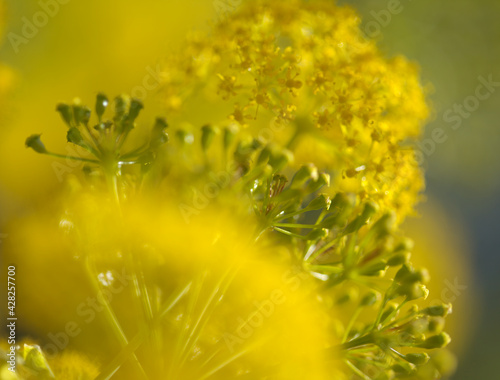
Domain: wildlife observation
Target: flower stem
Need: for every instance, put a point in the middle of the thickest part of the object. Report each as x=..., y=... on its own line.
x=110, y=315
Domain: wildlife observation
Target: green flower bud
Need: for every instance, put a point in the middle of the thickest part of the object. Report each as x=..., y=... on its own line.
x=404, y=368
x=412, y=291
x=82, y=114
x=341, y=201
x=420, y=275
x=438, y=310
x=403, y=272
x=121, y=105
x=280, y=159
x=385, y=225
x=160, y=124
x=158, y=134
x=101, y=103
x=391, y=308
x=399, y=259
x=321, y=202
x=304, y=174
x=323, y=180
x=264, y=155
x=135, y=108
x=350, y=295
x=404, y=245
x=418, y=326
x=229, y=135
x=35, y=143
x=436, y=341
x=436, y=325
x=418, y=358
x=370, y=299
x=66, y=112
x=373, y=269
x=207, y=136
x=184, y=136
x=340, y=206
x=369, y=210
x=317, y=234
x=245, y=149
x=74, y=136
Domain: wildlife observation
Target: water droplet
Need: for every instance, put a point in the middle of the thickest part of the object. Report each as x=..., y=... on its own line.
x=66, y=225
x=106, y=278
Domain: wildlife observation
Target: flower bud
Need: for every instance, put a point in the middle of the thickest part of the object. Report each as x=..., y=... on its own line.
x=436, y=325
x=207, y=136
x=66, y=113
x=404, y=245
x=370, y=299
x=385, y=225
x=412, y=291
x=184, y=136
x=321, y=202
x=101, y=103
x=438, y=310
x=323, y=180
x=135, y=108
x=158, y=134
x=229, y=135
x=340, y=207
x=420, y=275
x=263, y=156
x=304, y=174
x=35, y=143
x=418, y=358
x=399, y=259
x=404, y=368
x=82, y=114
x=317, y=234
x=436, y=341
x=404, y=271
x=121, y=105
x=419, y=326
x=280, y=159
x=351, y=294
x=369, y=210
x=74, y=136
x=373, y=269
x=391, y=308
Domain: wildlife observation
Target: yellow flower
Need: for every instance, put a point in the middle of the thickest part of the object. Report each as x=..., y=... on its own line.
x=305, y=71
x=221, y=305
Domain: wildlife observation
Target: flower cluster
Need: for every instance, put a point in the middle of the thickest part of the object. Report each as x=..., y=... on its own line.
x=242, y=265
x=302, y=74
x=263, y=243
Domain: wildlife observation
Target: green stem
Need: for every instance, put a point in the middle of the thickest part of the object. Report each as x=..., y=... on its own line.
x=358, y=342
x=351, y=323
x=71, y=157
x=357, y=371
x=289, y=233
x=110, y=315
x=321, y=250
x=295, y=225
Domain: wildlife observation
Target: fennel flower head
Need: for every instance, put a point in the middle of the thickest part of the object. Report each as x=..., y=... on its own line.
x=265, y=245
x=205, y=275
x=302, y=75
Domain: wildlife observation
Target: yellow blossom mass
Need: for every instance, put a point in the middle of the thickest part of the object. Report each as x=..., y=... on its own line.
x=303, y=75
x=224, y=306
